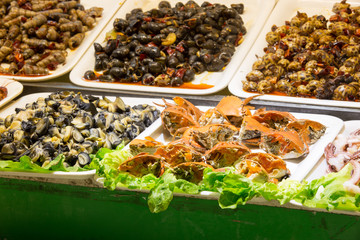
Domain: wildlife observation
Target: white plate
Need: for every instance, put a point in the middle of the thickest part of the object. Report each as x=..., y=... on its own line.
x=299, y=167
x=110, y=7
x=21, y=102
x=284, y=11
x=255, y=15
x=322, y=167
x=14, y=89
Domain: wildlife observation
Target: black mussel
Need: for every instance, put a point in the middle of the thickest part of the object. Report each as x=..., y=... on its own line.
x=204, y=28
x=144, y=38
x=239, y=7
x=152, y=52
x=83, y=159
x=182, y=32
x=98, y=65
x=235, y=22
x=193, y=59
x=42, y=126
x=116, y=63
x=231, y=38
x=117, y=72
x=173, y=61
x=90, y=75
x=106, y=78
x=147, y=60
x=164, y=4
x=120, y=52
x=154, y=27
x=105, y=63
x=166, y=11
x=120, y=24
x=230, y=13
x=98, y=48
x=155, y=67
x=189, y=75
x=133, y=44
x=134, y=63
x=210, y=44
x=191, y=4
x=198, y=67
x=101, y=56
x=192, y=51
x=157, y=38
x=179, y=5
x=199, y=39
x=225, y=57
x=110, y=46
x=27, y=126
x=215, y=65
x=148, y=79
x=206, y=56
x=176, y=81
x=205, y=4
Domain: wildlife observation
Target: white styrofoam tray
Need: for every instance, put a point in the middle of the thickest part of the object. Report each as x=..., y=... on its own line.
x=14, y=89
x=255, y=15
x=110, y=7
x=298, y=167
x=21, y=102
x=284, y=11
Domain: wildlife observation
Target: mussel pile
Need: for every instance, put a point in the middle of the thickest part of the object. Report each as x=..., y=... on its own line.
x=35, y=34
x=169, y=45
x=312, y=57
x=73, y=124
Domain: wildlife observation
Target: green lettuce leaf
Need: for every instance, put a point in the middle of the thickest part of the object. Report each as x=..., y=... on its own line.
x=328, y=192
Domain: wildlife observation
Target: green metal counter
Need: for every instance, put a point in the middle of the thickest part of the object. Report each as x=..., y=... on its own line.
x=38, y=210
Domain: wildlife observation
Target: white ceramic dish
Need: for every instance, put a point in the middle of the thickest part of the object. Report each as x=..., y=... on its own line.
x=321, y=169
x=299, y=167
x=14, y=89
x=110, y=7
x=20, y=103
x=284, y=11
x=255, y=15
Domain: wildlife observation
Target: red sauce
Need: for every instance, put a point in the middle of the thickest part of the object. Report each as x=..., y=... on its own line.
x=187, y=85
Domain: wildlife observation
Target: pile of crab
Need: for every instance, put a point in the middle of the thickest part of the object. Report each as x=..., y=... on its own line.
x=222, y=137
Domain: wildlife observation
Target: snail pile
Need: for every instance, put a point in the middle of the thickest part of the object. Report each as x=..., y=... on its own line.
x=73, y=124
x=311, y=57
x=35, y=34
x=169, y=45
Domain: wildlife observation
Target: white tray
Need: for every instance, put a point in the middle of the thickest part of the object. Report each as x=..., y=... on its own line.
x=255, y=15
x=284, y=11
x=110, y=7
x=14, y=89
x=321, y=169
x=299, y=167
x=21, y=102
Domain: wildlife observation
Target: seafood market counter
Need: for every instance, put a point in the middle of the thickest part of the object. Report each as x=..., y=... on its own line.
x=38, y=208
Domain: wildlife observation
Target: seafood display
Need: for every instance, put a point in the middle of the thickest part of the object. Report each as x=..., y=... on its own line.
x=168, y=45
x=217, y=139
x=71, y=124
x=311, y=56
x=35, y=35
